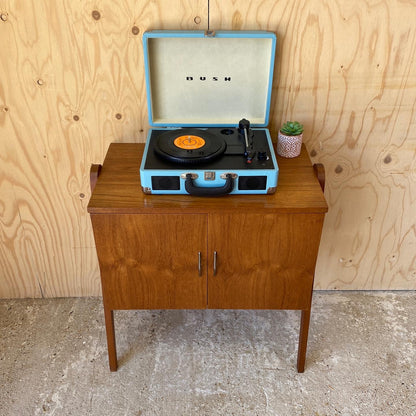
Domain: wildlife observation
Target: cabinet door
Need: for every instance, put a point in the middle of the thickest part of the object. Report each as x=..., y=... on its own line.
x=263, y=261
x=151, y=261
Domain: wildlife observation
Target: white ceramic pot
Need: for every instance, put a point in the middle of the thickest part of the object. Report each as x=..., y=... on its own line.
x=289, y=146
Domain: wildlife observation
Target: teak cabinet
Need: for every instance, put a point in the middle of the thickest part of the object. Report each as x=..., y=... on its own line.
x=183, y=252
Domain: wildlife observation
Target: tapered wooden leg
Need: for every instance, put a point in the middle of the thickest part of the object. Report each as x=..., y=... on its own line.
x=111, y=338
x=303, y=339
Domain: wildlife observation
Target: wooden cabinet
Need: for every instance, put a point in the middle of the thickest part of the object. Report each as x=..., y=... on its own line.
x=234, y=252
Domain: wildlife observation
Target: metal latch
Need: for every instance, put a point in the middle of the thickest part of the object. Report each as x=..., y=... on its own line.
x=209, y=176
x=224, y=175
x=193, y=175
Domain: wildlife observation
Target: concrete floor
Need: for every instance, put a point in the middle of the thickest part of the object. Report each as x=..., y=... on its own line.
x=361, y=359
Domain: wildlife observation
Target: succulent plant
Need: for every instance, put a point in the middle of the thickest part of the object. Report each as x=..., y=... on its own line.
x=292, y=128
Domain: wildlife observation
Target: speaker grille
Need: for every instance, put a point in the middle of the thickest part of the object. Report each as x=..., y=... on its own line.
x=252, y=183
x=165, y=183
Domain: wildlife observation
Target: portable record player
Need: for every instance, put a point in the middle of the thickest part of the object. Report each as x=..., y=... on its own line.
x=208, y=99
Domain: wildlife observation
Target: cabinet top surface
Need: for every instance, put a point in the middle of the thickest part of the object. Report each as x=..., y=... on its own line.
x=118, y=189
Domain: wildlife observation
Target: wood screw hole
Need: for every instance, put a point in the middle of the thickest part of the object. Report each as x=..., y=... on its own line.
x=82, y=195
x=4, y=17
x=197, y=20
x=40, y=82
x=135, y=30
x=76, y=117
x=338, y=169
x=118, y=116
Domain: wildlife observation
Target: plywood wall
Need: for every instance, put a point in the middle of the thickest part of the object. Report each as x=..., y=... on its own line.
x=72, y=81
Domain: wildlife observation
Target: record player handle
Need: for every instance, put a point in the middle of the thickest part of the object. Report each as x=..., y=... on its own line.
x=194, y=190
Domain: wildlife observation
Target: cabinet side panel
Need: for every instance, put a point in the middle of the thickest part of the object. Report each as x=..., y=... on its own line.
x=151, y=261
x=263, y=261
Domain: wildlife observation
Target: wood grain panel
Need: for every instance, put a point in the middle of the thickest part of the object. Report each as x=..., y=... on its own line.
x=160, y=274
x=72, y=81
x=346, y=70
x=264, y=261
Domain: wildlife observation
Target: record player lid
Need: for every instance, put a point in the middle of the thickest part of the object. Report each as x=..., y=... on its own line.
x=196, y=78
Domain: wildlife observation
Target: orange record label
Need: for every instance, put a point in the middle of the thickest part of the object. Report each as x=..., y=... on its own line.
x=189, y=142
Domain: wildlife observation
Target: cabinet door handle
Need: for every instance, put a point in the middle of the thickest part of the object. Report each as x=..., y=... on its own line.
x=199, y=264
x=215, y=263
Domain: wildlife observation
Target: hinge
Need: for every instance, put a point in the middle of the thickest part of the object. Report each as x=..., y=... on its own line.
x=210, y=33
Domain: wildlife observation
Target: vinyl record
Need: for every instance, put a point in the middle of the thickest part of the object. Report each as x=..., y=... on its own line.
x=189, y=146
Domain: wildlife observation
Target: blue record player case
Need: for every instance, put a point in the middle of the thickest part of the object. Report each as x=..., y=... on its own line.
x=208, y=99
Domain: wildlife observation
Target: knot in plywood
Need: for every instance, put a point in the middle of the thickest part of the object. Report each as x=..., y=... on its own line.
x=96, y=15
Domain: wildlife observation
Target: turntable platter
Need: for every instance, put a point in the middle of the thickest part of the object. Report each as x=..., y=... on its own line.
x=189, y=146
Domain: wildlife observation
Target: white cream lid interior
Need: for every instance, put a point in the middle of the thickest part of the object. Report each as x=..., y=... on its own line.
x=209, y=80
